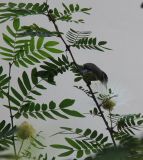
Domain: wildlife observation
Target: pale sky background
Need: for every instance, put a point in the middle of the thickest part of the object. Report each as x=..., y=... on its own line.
x=120, y=23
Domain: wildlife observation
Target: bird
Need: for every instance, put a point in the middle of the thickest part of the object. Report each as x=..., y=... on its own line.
x=91, y=72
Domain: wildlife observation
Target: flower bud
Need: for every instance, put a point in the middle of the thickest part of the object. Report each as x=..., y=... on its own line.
x=108, y=104
x=25, y=131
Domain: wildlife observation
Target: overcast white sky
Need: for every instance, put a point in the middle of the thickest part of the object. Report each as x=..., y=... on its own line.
x=120, y=22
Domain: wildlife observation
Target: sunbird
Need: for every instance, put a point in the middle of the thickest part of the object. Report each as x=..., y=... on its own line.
x=91, y=72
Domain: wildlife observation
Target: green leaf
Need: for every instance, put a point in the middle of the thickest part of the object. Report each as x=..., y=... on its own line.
x=52, y=105
x=59, y=146
x=26, y=80
x=66, y=8
x=40, y=42
x=66, y=103
x=93, y=134
x=65, y=154
x=4, y=81
x=99, y=137
x=33, y=76
x=21, y=5
x=48, y=115
x=102, y=43
x=38, y=142
x=33, y=59
x=77, y=79
x=13, y=100
x=51, y=43
x=40, y=115
x=32, y=44
x=81, y=144
x=38, y=56
x=36, y=92
x=2, y=124
x=78, y=130
x=79, y=154
x=59, y=114
x=66, y=128
x=17, y=95
x=45, y=54
x=73, y=143
x=77, y=7
x=56, y=12
x=6, y=54
x=139, y=122
x=22, y=87
x=6, y=49
x=44, y=107
x=8, y=40
x=87, y=132
x=54, y=50
x=71, y=6
x=17, y=115
x=72, y=113
x=104, y=140
x=16, y=24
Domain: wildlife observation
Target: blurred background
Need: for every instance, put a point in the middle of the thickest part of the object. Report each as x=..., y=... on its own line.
x=120, y=23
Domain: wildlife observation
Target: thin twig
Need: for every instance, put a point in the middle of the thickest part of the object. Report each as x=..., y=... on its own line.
x=10, y=110
x=20, y=147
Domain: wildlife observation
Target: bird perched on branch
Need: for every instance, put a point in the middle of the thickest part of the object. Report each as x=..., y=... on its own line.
x=91, y=72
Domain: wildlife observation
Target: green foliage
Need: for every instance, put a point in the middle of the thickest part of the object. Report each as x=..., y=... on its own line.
x=4, y=80
x=28, y=89
x=128, y=123
x=67, y=14
x=82, y=40
x=53, y=68
x=35, y=30
x=12, y=10
x=50, y=110
x=6, y=134
x=85, y=143
x=26, y=51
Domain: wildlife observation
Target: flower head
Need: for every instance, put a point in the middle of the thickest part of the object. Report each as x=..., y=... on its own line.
x=25, y=131
x=108, y=104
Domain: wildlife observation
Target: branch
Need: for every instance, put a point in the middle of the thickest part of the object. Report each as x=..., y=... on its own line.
x=88, y=85
x=11, y=116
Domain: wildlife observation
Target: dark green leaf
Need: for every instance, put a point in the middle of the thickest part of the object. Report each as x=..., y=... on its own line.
x=52, y=105
x=93, y=134
x=54, y=50
x=99, y=137
x=79, y=153
x=102, y=43
x=51, y=43
x=72, y=113
x=59, y=146
x=73, y=143
x=16, y=24
x=40, y=42
x=22, y=87
x=33, y=76
x=87, y=132
x=26, y=80
x=66, y=103
x=59, y=114
x=40, y=115
x=13, y=100
x=17, y=95
x=65, y=154
x=48, y=115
